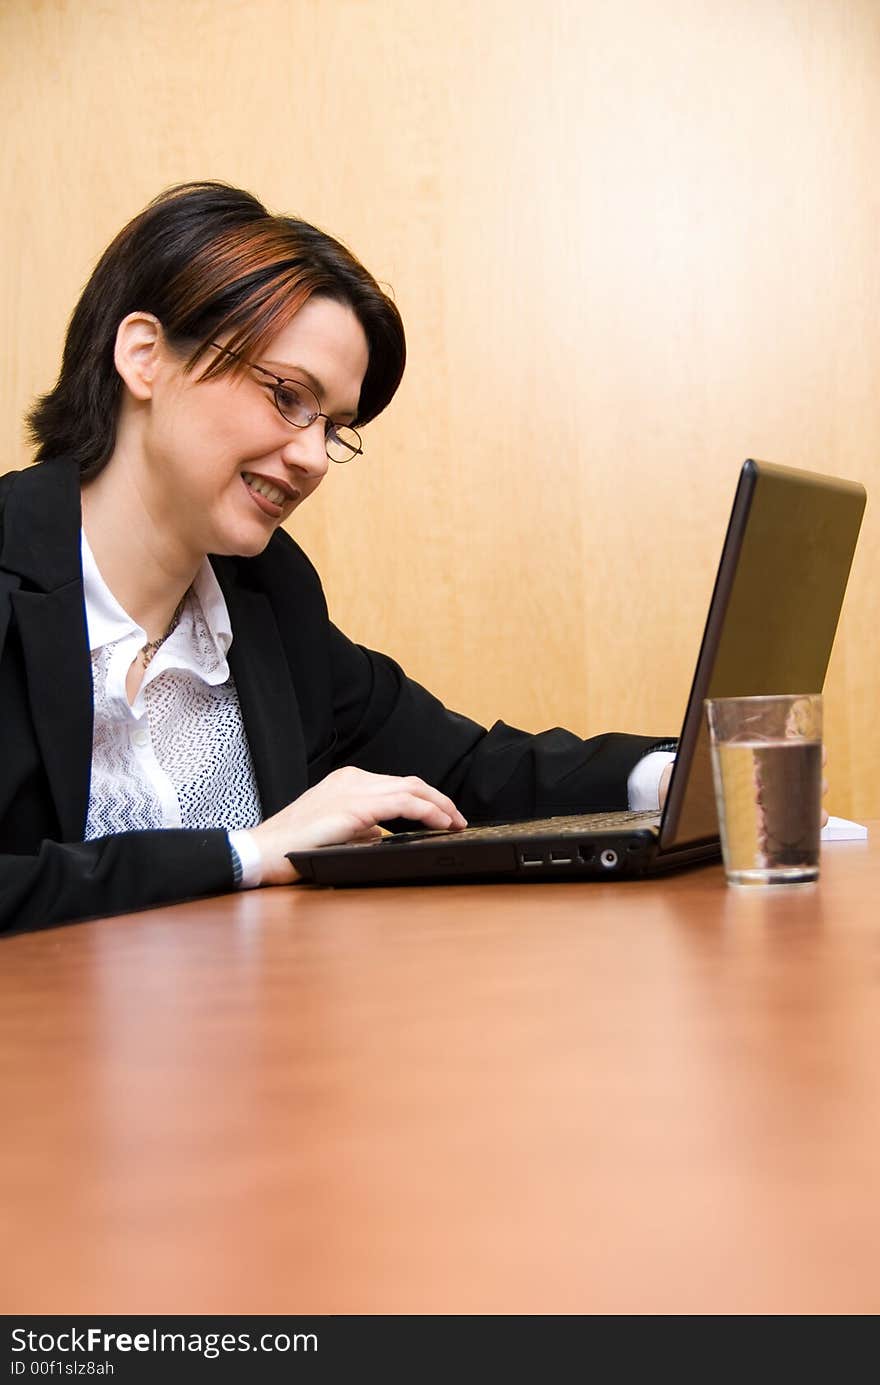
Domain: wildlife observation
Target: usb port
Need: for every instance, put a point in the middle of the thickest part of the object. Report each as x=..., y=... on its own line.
x=531, y=860
x=559, y=859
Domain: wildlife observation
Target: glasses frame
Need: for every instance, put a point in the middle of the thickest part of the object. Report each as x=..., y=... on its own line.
x=278, y=382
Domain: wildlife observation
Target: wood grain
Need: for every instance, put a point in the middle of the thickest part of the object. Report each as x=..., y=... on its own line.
x=633, y=244
x=643, y=1098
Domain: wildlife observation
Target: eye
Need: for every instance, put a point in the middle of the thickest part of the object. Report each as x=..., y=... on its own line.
x=294, y=404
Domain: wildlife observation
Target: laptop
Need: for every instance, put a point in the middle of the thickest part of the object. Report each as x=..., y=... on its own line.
x=771, y=624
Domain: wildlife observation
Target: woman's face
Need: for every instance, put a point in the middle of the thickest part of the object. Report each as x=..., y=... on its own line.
x=223, y=468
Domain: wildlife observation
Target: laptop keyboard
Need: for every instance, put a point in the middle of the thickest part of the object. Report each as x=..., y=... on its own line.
x=533, y=827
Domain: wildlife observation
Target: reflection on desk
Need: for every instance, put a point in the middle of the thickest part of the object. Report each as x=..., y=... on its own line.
x=656, y=1096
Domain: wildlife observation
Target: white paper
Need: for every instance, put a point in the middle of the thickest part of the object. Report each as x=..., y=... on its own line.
x=842, y=830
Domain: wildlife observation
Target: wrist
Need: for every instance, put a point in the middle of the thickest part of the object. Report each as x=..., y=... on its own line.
x=275, y=869
x=247, y=862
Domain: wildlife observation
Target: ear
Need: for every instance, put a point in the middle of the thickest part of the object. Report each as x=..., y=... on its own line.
x=138, y=352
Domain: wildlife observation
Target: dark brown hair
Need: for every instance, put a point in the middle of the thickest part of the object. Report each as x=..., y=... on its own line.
x=207, y=260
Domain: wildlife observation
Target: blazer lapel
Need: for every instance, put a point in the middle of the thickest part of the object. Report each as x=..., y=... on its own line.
x=266, y=694
x=59, y=677
x=41, y=551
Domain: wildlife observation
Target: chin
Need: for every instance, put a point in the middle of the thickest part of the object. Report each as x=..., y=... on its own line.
x=251, y=549
x=246, y=543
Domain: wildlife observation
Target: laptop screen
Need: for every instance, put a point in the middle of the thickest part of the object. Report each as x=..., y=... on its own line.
x=772, y=618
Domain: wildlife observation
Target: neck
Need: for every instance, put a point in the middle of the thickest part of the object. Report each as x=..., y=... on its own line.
x=146, y=568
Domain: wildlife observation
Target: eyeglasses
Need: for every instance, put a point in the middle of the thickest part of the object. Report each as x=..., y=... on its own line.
x=299, y=405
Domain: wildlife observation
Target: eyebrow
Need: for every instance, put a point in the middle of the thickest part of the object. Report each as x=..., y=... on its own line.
x=300, y=373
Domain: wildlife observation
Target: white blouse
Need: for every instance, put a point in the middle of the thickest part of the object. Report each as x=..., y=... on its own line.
x=178, y=755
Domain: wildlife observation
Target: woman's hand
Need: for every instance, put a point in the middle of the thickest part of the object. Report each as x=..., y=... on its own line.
x=663, y=788
x=347, y=806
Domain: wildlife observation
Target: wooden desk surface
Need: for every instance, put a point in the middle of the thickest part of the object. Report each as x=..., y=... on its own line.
x=653, y=1097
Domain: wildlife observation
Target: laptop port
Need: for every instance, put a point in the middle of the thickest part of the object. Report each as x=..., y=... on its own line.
x=608, y=858
x=561, y=858
x=529, y=859
x=587, y=854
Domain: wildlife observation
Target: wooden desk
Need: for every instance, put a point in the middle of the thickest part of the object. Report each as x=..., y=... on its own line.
x=656, y=1097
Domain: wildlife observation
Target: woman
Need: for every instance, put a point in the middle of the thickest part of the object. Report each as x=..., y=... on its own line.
x=171, y=724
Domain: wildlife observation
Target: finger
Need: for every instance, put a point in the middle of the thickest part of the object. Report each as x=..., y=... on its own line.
x=824, y=755
x=824, y=787
x=410, y=805
x=824, y=817
x=369, y=834
x=418, y=788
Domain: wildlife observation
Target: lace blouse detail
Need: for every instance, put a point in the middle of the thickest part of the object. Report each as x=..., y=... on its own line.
x=178, y=755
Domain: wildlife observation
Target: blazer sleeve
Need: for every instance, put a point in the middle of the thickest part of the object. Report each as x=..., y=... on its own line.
x=66, y=881
x=390, y=724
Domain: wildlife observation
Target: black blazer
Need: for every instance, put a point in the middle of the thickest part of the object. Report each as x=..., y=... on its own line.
x=311, y=700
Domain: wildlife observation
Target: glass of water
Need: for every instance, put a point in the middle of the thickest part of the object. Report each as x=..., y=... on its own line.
x=767, y=765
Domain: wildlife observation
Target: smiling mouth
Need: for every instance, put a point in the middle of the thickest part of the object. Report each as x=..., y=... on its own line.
x=274, y=494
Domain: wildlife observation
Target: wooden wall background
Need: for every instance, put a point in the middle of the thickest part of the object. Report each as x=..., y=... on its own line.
x=633, y=242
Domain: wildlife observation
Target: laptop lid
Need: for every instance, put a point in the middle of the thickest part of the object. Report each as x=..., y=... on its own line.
x=772, y=618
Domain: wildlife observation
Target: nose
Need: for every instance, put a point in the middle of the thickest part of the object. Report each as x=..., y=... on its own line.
x=306, y=453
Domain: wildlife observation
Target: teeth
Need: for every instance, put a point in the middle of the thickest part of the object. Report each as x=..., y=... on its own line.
x=266, y=488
